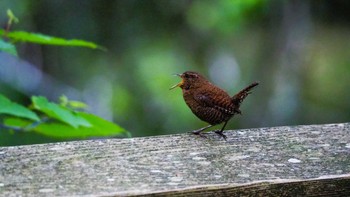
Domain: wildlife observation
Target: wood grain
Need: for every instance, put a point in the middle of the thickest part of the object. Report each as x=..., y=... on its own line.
x=310, y=160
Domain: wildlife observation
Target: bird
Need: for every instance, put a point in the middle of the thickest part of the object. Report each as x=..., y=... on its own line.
x=210, y=103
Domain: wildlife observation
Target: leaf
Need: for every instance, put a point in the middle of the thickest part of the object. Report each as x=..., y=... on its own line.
x=22, y=36
x=71, y=103
x=63, y=100
x=60, y=130
x=17, y=123
x=8, y=47
x=14, y=109
x=77, y=105
x=12, y=17
x=58, y=112
x=99, y=128
x=101, y=125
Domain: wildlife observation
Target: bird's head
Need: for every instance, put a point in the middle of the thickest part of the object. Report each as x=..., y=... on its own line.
x=189, y=80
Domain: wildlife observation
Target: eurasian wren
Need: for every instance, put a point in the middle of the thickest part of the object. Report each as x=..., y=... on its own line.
x=208, y=102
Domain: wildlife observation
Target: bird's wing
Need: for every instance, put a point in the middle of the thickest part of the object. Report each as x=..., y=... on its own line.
x=220, y=103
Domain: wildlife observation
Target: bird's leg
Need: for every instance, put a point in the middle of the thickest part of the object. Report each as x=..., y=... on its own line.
x=220, y=132
x=199, y=131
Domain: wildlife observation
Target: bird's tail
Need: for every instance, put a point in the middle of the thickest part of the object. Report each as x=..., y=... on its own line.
x=240, y=96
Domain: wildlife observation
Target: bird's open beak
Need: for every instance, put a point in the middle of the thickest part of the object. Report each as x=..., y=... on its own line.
x=179, y=84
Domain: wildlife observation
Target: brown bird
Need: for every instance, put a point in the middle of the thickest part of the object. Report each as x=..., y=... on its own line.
x=208, y=102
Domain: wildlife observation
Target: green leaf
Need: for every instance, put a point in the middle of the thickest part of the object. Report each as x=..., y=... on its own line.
x=63, y=100
x=100, y=127
x=16, y=122
x=14, y=109
x=12, y=17
x=8, y=47
x=72, y=104
x=58, y=112
x=60, y=130
x=22, y=36
x=77, y=105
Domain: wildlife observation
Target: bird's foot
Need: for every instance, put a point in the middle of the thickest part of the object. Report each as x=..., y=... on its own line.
x=221, y=133
x=199, y=132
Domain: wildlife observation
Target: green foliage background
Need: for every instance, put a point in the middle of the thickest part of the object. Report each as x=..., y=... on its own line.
x=298, y=50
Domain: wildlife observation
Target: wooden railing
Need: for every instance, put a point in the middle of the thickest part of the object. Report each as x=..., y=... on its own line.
x=310, y=160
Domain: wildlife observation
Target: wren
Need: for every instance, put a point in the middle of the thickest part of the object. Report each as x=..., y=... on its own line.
x=209, y=102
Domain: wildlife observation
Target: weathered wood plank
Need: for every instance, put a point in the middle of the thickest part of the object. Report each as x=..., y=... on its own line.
x=264, y=161
x=325, y=186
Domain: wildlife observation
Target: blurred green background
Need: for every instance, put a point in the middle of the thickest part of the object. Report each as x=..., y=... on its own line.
x=298, y=50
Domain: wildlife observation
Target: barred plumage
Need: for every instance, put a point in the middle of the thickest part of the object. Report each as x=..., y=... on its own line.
x=208, y=102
